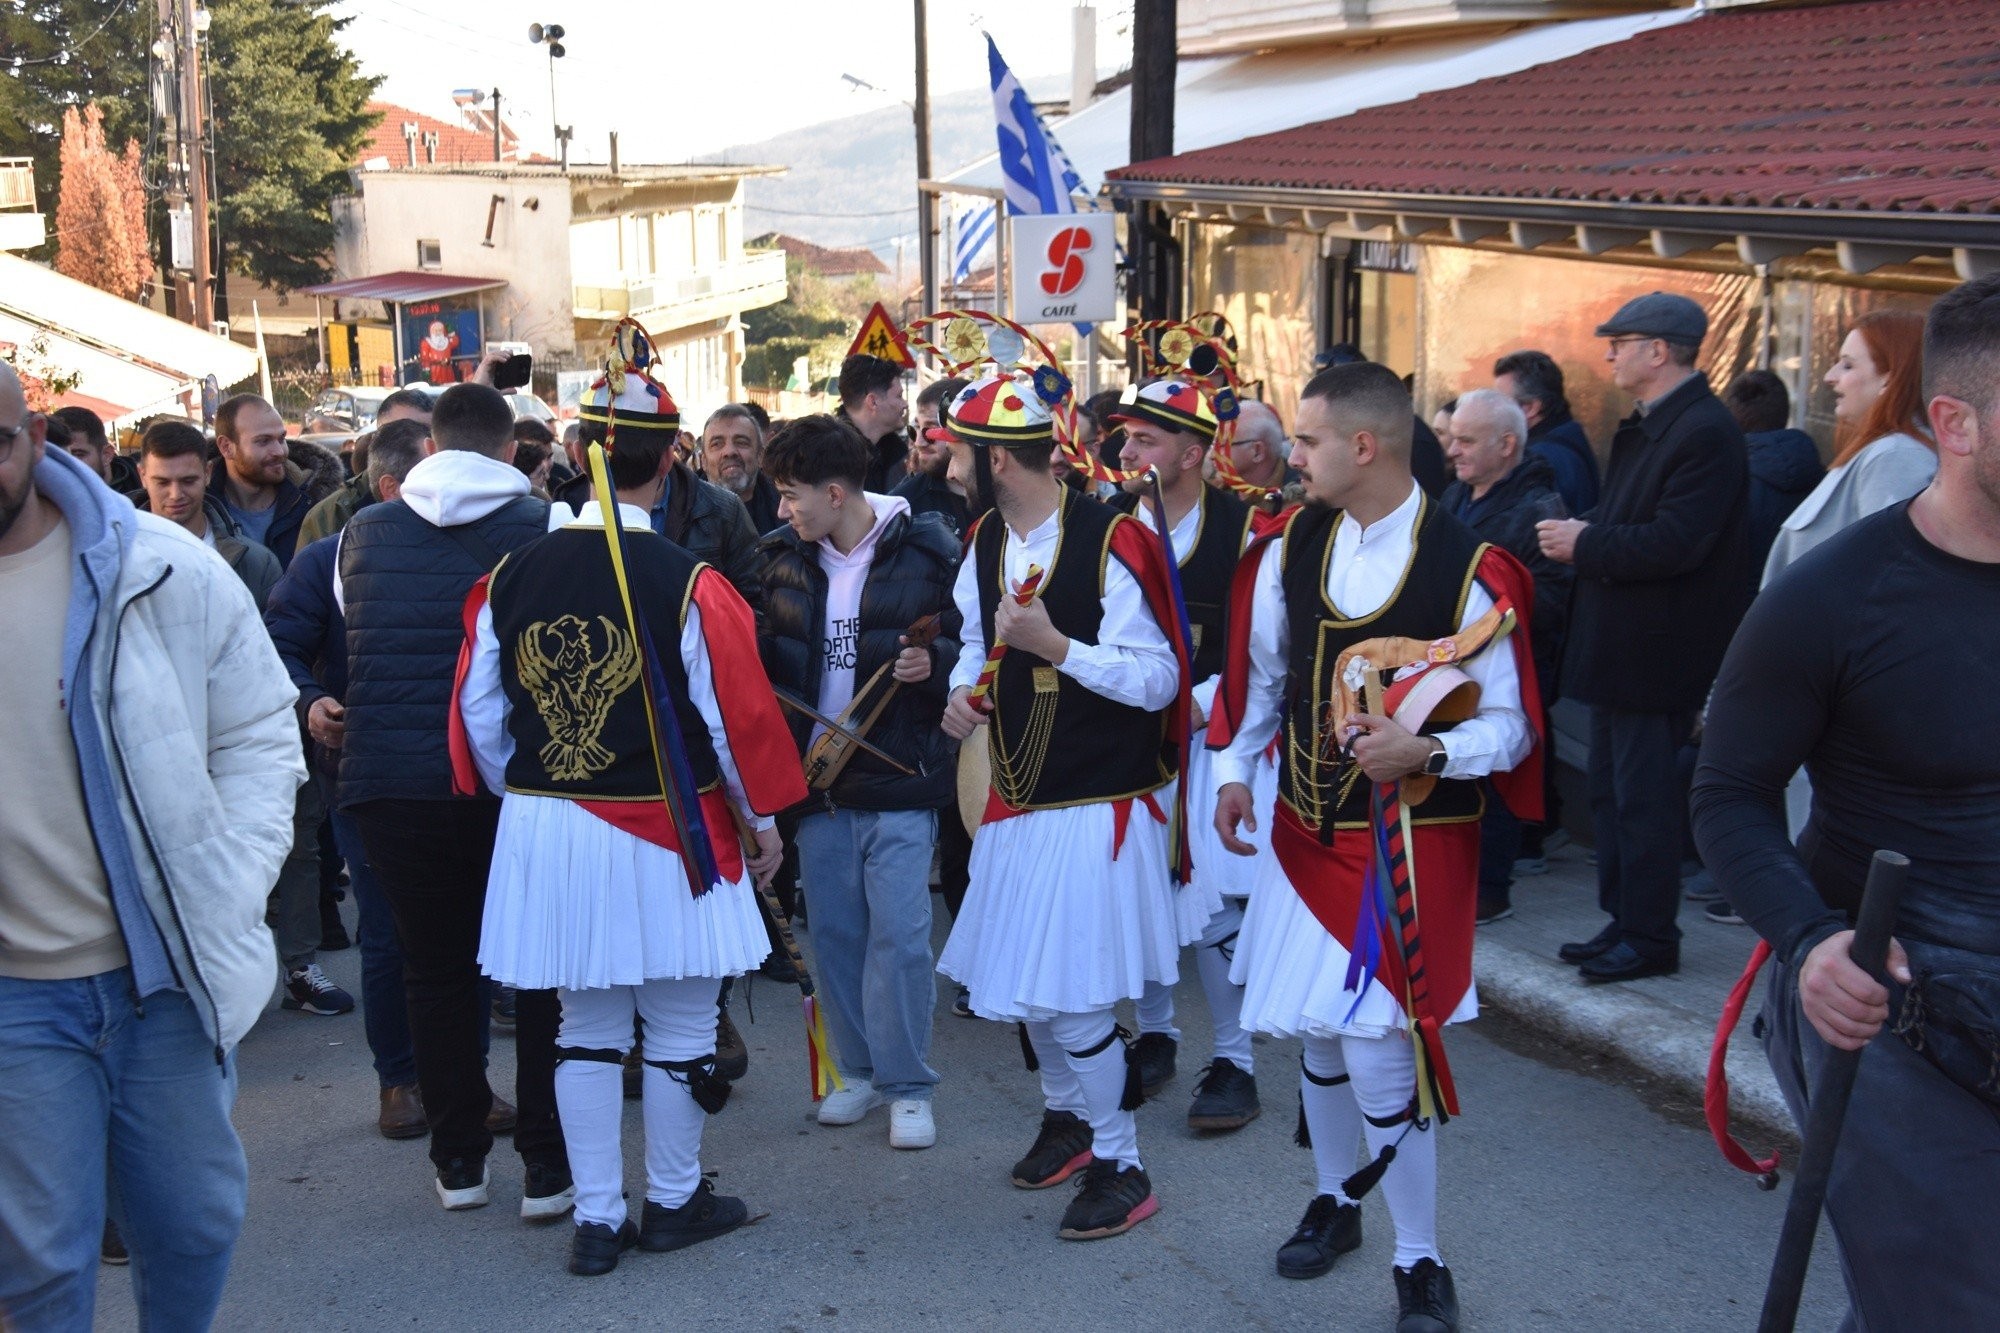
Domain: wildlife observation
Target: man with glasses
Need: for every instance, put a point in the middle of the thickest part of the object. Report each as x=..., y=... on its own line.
x=142, y=698
x=1662, y=577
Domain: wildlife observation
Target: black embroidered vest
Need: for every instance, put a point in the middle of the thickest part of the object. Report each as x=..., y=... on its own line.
x=1206, y=570
x=572, y=672
x=1051, y=741
x=1430, y=603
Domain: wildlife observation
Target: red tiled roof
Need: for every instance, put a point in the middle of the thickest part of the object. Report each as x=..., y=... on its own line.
x=456, y=143
x=820, y=259
x=1884, y=105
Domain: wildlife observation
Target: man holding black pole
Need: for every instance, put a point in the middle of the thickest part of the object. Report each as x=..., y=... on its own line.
x=1842, y=666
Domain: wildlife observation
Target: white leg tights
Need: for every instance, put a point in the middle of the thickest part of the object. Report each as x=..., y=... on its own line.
x=1384, y=1070
x=1213, y=953
x=1060, y=1089
x=1332, y=1115
x=1114, y=1133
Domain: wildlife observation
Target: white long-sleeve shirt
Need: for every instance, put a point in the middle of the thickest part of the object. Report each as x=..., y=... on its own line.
x=1132, y=661
x=483, y=706
x=1187, y=531
x=1365, y=570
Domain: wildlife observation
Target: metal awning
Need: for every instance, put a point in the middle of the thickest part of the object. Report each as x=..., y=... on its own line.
x=117, y=389
x=123, y=330
x=406, y=286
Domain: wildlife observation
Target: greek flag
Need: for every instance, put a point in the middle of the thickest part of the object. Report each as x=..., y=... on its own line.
x=972, y=237
x=1038, y=173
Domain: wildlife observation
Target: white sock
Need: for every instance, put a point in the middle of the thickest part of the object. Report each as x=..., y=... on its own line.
x=590, y=1097
x=1212, y=956
x=1114, y=1133
x=673, y=1139
x=1384, y=1070
x=1155, y=1010
x=1060, y=1089
x=1332, y=1115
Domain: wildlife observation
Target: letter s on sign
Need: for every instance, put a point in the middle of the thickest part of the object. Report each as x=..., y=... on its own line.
x=1065, y=272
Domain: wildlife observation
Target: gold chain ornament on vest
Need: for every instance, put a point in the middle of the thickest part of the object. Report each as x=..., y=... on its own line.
x=1017, y=773
x=574, y=684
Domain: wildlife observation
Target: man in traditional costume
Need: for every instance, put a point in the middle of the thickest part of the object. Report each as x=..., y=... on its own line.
x=1169, y=427
x=1070, y=906
x=611, y=690
x=1367, y=615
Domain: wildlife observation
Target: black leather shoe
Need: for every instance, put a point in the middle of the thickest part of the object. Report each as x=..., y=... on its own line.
x=594, y=1248
x=1596, y=946
x=1429, y=1300
x=704, y=1216
x=1155, y=1053
x=1329, y=1229
x=1109, y=1201
x=1226, y=1098
x=1622, y=962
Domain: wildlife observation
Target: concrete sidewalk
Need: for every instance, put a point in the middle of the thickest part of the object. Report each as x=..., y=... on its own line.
x=1663, y=1026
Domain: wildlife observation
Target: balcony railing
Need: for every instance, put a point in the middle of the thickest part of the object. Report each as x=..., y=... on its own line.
x=17, y=182
x=20, y=224
x=658, y=293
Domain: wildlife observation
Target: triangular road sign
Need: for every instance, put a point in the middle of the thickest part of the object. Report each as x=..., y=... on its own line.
x=880, y=337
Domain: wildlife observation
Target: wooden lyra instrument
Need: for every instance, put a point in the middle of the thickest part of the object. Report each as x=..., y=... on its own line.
x=832, y=751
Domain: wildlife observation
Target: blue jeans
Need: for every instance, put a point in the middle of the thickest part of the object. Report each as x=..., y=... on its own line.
x=866, y=876
x=89, y=1082
x=1499, y=846
x=385, y=1013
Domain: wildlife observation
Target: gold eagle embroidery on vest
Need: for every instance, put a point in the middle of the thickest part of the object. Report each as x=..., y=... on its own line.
x=573, y=685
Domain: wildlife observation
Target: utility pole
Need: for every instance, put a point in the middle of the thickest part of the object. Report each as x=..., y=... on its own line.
x=181, y=43
x=498, y=156
x=926, y=201
x=1151, y=293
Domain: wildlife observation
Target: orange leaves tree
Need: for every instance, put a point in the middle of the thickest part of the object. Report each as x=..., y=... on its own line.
x=101, y=209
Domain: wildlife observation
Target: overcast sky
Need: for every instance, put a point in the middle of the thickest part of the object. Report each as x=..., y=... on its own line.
x=693, y=78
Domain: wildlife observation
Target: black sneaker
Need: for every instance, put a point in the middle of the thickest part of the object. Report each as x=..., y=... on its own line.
x=704, y=1216
x=308, y=991
x=594, y=1248
x=1226, y=1098
x=1487, y=913
x=1061, y=1150
x=732, y=1057
x=547, y=1192
x=333, y=936
x=462, y=1184
x=1109, y=1201
x=778, y=967
x=1429, y=1300
x=1329, y=1229
x=962, y=1003
x=1155, y=1053
x=1719, y=911
x=503, y=1007
x=112, y=1250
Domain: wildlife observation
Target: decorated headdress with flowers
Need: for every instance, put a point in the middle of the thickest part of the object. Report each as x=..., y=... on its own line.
x=626, y=396
x=1197, y=390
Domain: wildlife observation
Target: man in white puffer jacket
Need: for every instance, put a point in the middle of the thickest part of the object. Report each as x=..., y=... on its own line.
x=146, y=790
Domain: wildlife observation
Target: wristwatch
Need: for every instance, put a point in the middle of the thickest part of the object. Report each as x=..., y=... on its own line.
x=1434, y=766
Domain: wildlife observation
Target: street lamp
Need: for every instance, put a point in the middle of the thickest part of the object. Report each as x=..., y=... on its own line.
x=551, y=35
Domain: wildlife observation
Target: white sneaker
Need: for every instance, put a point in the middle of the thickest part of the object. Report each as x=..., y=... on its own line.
x=848, y=1105
x=911, y=1124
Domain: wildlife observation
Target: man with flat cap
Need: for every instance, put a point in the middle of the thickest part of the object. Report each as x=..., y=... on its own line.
x=1662, y=576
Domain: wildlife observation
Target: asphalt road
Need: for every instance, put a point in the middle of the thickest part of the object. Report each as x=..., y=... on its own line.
x=1569, y=1201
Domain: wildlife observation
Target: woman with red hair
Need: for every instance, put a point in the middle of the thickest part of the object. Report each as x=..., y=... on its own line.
x=1886, y=454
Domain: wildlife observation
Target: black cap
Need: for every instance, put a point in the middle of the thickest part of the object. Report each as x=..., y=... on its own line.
x=1659, y=315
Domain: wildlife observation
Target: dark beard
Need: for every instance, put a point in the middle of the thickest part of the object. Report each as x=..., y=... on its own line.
x=937, y=467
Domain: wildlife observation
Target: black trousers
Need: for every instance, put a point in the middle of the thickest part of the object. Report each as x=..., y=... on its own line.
x=432, y=858
x=1638, y=815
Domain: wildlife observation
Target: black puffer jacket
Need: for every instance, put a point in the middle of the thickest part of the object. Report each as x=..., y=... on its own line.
x=703, y=517
x=404, y=583
x=910, y=577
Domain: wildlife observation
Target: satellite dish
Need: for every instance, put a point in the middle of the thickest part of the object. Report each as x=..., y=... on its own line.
x=535, y=33
x=554, y=31
x=556, y=50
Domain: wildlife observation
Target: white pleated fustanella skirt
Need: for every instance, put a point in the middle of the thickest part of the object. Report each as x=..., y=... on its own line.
x=1294, y=973
x=1224, y=872
x=1053, y=923
x=575, y=902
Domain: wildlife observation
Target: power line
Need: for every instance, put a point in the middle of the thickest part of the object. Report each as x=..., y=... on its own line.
x=62, y=57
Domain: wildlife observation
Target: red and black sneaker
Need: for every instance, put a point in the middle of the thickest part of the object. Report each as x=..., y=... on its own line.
x=1110, y=1200
x=1061, y=1150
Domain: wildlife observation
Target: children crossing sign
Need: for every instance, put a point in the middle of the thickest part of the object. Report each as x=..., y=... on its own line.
x=879, y=337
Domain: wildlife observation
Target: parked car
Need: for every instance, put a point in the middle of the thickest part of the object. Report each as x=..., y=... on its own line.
x=350, y=409
x=526, y=404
